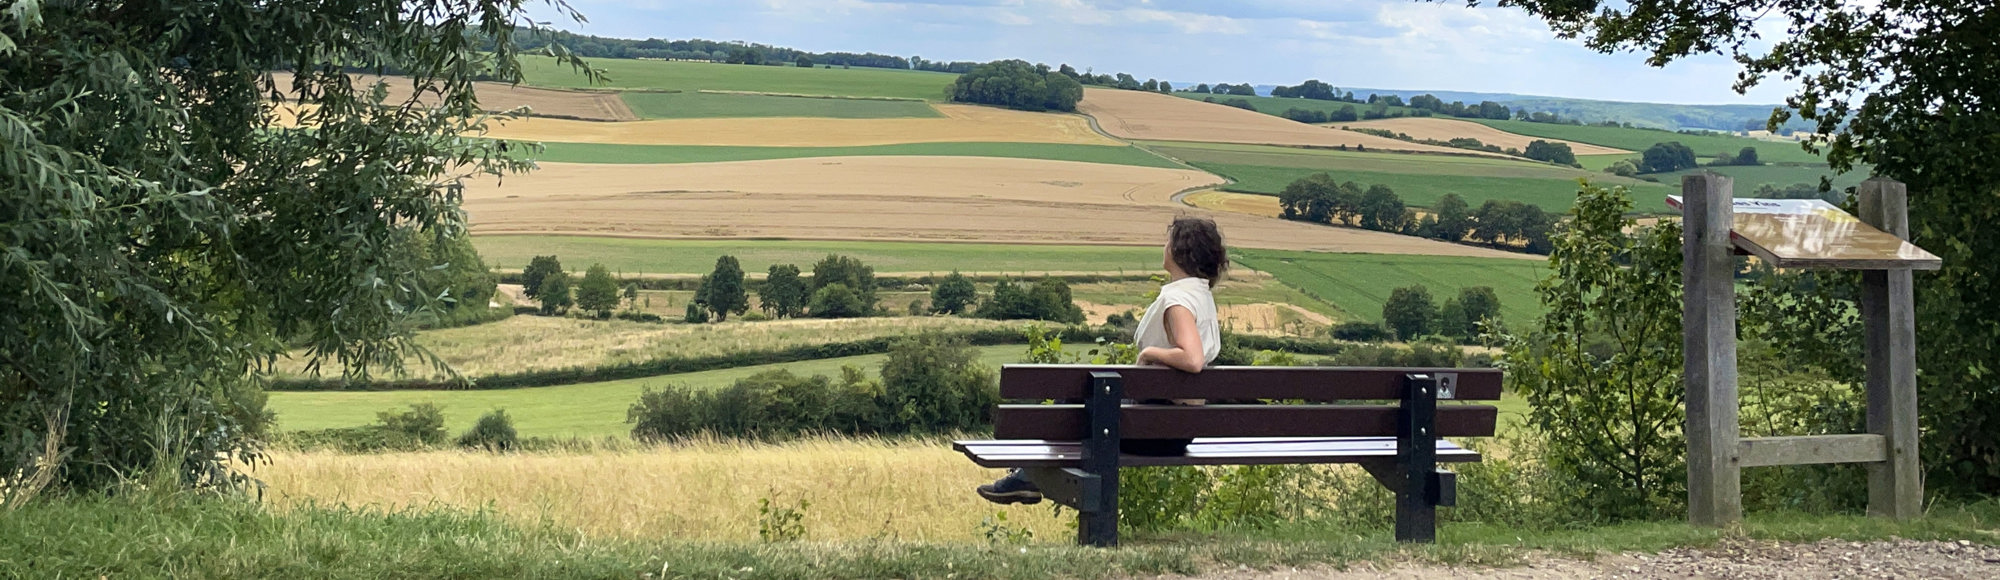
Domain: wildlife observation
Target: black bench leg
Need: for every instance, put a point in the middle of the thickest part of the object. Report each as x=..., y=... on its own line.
x=1097, y=524
x=1416, y=462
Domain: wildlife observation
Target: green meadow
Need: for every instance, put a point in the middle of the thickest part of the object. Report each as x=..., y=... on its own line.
x=581, y=410
x=620, y=153
x=633, y=256
x=695, y=76
x=691, y=105
x=1419, y=179
x=1705, y=146
x=1359, y=284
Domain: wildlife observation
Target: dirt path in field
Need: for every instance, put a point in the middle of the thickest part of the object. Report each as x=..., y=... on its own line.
x=1736, y=559
x=1448, y=129
x=960, y=124
x=917, y=198
x=1143, y=115
x=497, y=97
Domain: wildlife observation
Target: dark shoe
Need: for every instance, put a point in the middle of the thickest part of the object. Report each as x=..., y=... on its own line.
x=1014, y=488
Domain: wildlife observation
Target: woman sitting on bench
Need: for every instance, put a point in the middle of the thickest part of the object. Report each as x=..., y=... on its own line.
x=1179, y=330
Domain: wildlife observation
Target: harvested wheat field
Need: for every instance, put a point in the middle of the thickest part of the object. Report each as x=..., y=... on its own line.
x=1244, y=203
x=890, y=199
x=1153, y=116
x=853, y=489
x=960, y=124
x=1448, y=129
x=586, y=105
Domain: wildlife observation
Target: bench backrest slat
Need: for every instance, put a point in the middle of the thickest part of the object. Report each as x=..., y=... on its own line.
x=1282, y=383
x=1068, y=422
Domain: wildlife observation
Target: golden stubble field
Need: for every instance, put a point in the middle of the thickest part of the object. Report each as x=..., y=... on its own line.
x=589, y=105
x=915, y=198
x=854, y=489
x=1448, y=129
x=1153, y=116
x=960, y=124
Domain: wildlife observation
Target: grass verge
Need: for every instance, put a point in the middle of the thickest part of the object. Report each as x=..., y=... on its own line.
x=223, y=538
x=621, y=153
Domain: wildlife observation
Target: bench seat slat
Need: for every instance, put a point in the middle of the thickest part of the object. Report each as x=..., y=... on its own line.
x=1067, y=422
x=1222, y=451
x=1317, y=384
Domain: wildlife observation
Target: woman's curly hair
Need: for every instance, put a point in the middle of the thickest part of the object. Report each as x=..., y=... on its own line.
x=1195, y=244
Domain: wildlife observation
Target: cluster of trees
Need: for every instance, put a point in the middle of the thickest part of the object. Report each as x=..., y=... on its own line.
x=1015, y=84
x=1048, y=299
x=556, y=291
x=589, y=46
x=1551, y=152
x=1344, y=114
x=1318, y=198
x=1483, y=110
x=1118, y=81
x=1411, y=313
x=1238, y=103
x=1316, y=90
x=1242, y=90
x=955, y=67
x=1746, y=157
x=1666, y=157
x=1799, y=191
x=840, y=287
x=1550, y=118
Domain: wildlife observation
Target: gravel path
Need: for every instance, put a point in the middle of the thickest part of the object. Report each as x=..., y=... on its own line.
x=1742, y=559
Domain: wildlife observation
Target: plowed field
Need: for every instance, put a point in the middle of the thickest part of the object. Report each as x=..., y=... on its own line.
x=1448, y=129
x=1143, y=115
x=961, y=124
x=891, y=199
x=594, y=106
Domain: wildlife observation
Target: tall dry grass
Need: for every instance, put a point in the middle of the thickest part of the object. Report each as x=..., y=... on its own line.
x=528, y=343
x=855, y=489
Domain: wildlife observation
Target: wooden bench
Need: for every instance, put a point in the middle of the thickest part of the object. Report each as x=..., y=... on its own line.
x=1070, y=450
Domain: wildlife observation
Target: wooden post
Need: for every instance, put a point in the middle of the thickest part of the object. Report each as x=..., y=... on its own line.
x=1708, y=321
x=1889, y=330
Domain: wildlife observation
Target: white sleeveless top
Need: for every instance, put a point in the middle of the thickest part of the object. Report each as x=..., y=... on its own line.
x=1190, y=293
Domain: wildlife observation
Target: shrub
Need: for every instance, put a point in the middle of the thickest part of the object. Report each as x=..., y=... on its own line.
x=934, y=383
x=493, y=432
x=1049, y=299
x=1361, y=331
x=837, y=301
x=859, y=280
x=424, y=423
x=1416, y=354
x=953, y=295
x=695, y=314
x=1601, y=368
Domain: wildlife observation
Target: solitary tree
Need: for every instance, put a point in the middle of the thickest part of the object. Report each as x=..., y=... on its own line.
x=598, y=293
x=1748, y=156
x=555, y=293
x=1454, y=218
x=1665, y=157
x=1410, y=312
x=538, y=268
x=722, y=291
x=953, y=294
x=783, y=294
x=857, y=278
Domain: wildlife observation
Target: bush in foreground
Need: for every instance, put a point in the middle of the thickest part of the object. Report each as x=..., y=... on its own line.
x=493, y=432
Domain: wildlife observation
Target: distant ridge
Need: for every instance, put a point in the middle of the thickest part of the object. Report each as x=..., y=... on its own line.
x=1669, y=116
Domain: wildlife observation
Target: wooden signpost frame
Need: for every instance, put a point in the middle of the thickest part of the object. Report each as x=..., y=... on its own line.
x=1716, y=451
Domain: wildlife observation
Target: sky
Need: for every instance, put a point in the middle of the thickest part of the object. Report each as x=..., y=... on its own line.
x=1382, y=44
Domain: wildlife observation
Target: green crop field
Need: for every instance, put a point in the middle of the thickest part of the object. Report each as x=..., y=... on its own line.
x=619, y=153
x=694, y=76
x=636, y=256
x=688, y=105
x=1636, y=140
x=1419, y=179
x=1360, y=283
x=583, y=410
x=1277, y=106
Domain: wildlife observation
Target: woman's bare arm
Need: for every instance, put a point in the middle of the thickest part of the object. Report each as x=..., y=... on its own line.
x=1187, y=353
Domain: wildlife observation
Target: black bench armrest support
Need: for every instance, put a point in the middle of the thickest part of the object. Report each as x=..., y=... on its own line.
x=1416, y=461
x=1099, y=527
